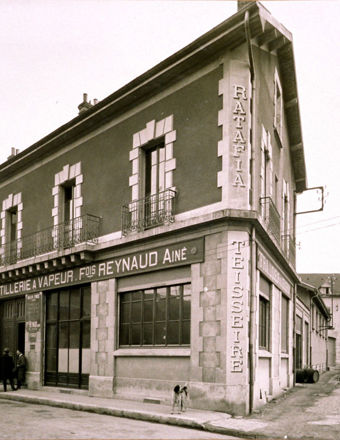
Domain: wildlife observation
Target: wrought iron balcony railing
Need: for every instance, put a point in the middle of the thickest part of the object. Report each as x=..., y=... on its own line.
x=84, y=229
x=151, y=211
x=271, y=216
x=289, y=247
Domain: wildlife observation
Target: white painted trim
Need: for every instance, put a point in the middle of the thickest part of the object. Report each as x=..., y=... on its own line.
x=164, y=352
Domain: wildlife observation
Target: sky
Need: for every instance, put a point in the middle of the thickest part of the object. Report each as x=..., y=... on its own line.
x=53, y=51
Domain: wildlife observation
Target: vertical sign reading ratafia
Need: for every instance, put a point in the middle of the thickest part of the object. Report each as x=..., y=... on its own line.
x=239, y=132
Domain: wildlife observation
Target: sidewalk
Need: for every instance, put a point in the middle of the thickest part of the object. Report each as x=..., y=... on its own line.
x=308, y=411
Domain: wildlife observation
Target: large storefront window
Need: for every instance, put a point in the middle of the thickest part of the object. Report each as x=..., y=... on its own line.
x=155, y=317
x=68, y=337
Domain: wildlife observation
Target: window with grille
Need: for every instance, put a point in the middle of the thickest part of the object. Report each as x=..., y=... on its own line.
x=155, y=317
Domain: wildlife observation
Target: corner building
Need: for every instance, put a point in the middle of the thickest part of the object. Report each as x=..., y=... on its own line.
x=151, y=240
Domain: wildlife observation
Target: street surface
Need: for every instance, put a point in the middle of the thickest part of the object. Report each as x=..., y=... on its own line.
x=20, y=420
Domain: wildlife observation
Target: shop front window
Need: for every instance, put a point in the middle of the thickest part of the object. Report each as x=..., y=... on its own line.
x=68, y=337
x=155, y=317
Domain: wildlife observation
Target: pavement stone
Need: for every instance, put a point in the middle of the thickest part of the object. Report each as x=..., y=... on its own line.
x=306, y=412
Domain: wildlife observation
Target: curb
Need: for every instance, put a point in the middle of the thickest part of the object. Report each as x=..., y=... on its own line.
x=136, y=415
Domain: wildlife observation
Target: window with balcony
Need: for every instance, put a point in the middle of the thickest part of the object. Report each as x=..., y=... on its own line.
x=68, y=231
x=151, y=182
x=12, y=232
x=155, y=317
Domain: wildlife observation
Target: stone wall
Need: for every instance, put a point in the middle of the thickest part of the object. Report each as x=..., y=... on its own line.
x=103, y=309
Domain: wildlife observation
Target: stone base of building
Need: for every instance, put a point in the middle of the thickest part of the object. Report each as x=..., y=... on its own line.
x=208, y=396
x=33, y=380
x=100, y=386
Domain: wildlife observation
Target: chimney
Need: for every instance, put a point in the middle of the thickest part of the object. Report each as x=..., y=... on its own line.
x=14, y=152
x=85, y=105
x=243, y=4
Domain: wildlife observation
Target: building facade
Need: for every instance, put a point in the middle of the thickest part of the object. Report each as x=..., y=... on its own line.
x=151, y=240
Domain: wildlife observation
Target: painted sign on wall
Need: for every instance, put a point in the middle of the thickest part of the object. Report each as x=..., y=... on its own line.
x=268, y=269
x=163, y=257
x=239, y=123
x=238, y=279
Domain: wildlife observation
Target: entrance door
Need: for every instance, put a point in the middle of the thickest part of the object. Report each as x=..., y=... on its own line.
x=12, y=325
x=68, y=337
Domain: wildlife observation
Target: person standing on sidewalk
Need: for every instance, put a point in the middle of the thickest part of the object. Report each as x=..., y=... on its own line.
x=7, y=367
x=20, y=369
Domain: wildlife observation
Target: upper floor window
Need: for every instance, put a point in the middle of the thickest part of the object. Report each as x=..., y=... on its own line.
x=11, y=229
x=278, y=105
x=13, y=223
x=68, y=195
x=151, y=181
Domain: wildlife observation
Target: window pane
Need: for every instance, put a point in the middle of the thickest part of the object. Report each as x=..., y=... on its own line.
x=148, y=294
x=86, y=333
x=64, y=304
x=136, y=310
x=148, y=311
x=186, y=332
x=173, y=333
x=51, y=345
x=74, y=334
x=75, y=304
x=186, y=313
x=125, y=297
x=186, y=289
x=135, y=334
x=124, y=334
x=136, y=296
x=160, y=310
x=125, y=312
x=147, y=334
x=174, y=303
x=86, y=301
x=52, y=306
x=160, y=333
x=63, y=335
x=160, y=293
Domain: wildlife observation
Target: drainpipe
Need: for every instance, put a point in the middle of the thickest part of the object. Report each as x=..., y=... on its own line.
x=252, y=109
x=294, y=333
x=252, y=321
x=252, y=314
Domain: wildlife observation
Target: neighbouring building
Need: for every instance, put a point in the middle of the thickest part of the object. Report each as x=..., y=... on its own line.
x=311, y=329
x=151, y=240
x=328, y=286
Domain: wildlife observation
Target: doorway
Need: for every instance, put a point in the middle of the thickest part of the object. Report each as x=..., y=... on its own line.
x=67, y=362
x=12, y=325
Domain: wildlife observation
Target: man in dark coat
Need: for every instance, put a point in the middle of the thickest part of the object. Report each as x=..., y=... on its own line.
x=7, y=367
x=21, y=368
